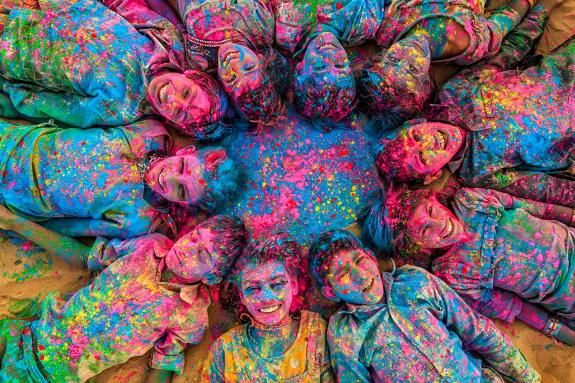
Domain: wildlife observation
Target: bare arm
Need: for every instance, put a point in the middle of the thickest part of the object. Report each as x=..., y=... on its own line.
x=159, y=376
x=69, y=249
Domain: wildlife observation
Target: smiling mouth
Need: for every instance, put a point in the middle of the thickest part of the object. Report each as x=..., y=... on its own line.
x=270, y=309
x=368, y=287
x=442, y=140
x=160, y=179
x=448, y=229
x=163, y=92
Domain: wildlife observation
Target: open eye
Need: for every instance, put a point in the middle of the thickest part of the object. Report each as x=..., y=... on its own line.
x=278, y=285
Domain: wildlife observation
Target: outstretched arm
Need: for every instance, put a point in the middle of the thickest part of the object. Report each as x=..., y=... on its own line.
x=67, y=248
x=159, y=376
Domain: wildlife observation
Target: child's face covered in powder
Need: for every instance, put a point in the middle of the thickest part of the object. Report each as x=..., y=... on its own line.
x=267, y=292
x=431, y=225
x=326, y=59
x=180, y=99
x=353, y=277
x=192, y=257
x=239, y=68
x=180, y=178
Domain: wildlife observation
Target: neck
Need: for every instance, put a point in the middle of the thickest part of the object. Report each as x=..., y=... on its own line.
x=270, y=341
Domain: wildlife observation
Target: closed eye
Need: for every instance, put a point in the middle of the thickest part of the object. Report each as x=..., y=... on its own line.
x=181, y=192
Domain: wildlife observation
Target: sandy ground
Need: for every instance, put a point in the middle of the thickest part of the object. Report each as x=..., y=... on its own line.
x=26, y=272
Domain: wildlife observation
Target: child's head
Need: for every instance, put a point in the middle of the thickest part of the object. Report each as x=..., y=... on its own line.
x=265, y=279
x=204, y=178
x=396, y=85
x=345, y=269
x=208, y=251
x=413, y=218
x=324, y=83
x=253, y=81
x=193, y=102
x=418, y=151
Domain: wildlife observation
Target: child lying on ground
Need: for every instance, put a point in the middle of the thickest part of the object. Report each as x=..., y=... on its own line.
x=150, y=295
x=103, y=73
x=508, y=257
x=115, y=182
x=279, y=343
x=505, y=129
x=415, y=32
x=407, y=325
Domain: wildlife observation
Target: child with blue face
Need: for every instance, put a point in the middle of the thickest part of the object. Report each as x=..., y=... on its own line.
x=407, y=325
x=396, y=84
x=279, y=342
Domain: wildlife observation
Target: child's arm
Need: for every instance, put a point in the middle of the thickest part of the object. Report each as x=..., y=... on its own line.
x=540, y=320
x=67, y=248
x=541, y=187
x=213, y=368
x=487, y=198
x=479, y=334
x=159, y=376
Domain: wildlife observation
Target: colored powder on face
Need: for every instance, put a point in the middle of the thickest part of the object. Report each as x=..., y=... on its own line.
x=302, y=180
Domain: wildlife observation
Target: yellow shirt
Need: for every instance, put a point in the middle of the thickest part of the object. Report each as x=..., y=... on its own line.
x=233, y=360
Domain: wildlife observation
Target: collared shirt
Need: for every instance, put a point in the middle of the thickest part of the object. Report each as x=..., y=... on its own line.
x=83, y=182
x=513, y=254
x=125, y=312
x=421, y=331
x=73, y=61
x=519, y=121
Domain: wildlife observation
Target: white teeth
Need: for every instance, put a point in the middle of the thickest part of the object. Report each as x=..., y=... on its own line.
x=162, y=93
x=441, y=140
x=271, y=309
x=448, y=228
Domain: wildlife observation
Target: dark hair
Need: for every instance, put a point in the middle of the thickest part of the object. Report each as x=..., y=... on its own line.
x=384, y=220
x=231, y=237
x=317, y=99
x=222, y=184
x=388, y=104
x=281, y=248
x=325, y=246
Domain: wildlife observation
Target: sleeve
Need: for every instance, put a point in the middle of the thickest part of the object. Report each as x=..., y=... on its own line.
x=345, y=363
x=479, y=334
x=213, y=368
x=493, y=303
x=105, y=251
x=189, y=322
x=485, y=199
x=515, y=46
x=89, y=227
x=542, y=187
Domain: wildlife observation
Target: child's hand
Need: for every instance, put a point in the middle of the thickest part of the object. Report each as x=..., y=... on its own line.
x=551, y=4
x=7, y=218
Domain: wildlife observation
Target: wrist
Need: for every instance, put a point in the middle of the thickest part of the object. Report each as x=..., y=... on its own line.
x=552, y=327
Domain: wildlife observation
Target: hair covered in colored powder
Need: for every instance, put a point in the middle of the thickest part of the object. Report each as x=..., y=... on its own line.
x=280, y=248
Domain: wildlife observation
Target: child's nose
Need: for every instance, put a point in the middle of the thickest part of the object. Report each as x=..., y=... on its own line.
x=268, y=293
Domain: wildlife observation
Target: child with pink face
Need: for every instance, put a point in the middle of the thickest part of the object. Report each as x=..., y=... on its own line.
x=415, y=33
x=508, y=257
x=149, y=296
x=276, y=344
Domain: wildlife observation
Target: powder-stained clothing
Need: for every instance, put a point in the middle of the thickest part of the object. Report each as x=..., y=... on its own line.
x=421, y=331
x=516, y=252
x=353, y=22
x=485, y=34
x=125, y=312
x=518, y=121
x=81, y=182
x=232, y=358
x=212, y=23
x=73, y=61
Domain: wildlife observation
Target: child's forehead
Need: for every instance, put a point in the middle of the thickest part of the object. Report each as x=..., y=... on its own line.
x=343, y=256
x=258, y=272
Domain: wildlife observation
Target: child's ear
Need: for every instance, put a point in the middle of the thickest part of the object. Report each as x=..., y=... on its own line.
x=214, y=158
x=329, y=294
x=432, y=177
x=187, y=150
x=294, y=287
